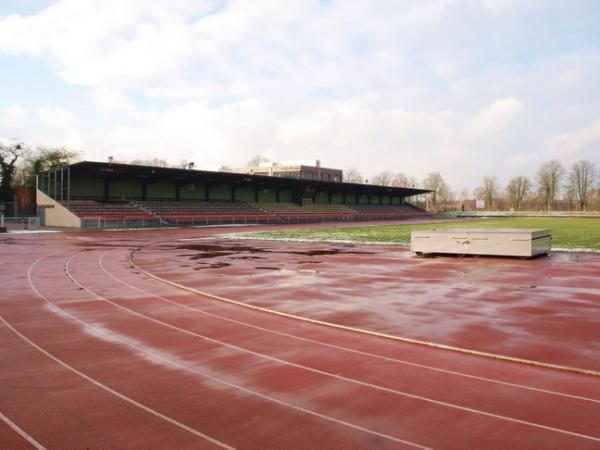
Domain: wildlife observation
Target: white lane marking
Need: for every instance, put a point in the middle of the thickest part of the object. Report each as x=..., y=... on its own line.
x=217, y=380
x=21, y=432
x=6, y=260
x=93, y=380
x=328, y=374
x=337, y=347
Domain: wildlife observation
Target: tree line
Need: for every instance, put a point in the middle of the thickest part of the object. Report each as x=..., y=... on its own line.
x=554, y=187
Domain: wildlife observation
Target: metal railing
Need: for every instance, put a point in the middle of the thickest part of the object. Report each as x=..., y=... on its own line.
x=245, y=219
x=21, y=223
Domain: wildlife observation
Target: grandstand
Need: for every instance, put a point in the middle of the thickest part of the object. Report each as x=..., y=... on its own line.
x=98, y=195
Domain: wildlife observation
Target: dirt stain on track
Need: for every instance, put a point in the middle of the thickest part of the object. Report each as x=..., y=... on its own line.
x=205, y=251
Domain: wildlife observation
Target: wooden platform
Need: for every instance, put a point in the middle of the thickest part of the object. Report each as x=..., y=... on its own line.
x=522, y=242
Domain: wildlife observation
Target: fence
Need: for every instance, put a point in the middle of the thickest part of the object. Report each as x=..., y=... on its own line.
x=267, y=219
x=22, y=223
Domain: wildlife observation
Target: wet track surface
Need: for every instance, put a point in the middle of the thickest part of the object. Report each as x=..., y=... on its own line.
x=545, y=309
x=96, y=354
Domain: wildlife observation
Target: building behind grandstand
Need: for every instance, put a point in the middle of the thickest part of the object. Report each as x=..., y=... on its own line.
x=303, y=170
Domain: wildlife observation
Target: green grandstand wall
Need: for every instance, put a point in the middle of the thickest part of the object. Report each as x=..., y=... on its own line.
x=192, y=191
x=126, y=190
x=162, y=190
x=245, y=194
x=322, y=198
x=222, y=192
x=286, y=196
x=267, y=195
x=337, y=197
x=87, y=187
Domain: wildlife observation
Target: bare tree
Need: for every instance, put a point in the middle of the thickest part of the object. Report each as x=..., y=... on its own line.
x=40, y=160
x=401, y=180
x=581, y=181
x=352, y=175
x=153, y=162
x=488, y=191
x=9, y=154
x=549, y=176
x=383, y=178
x=441, y=192
x=517, y=189
x=256, y=160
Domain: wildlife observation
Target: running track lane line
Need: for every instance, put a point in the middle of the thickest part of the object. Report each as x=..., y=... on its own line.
x=339, y=377
x=363, y=331
x=93, y=380
x=21, y=432
x=5, y=260
x=202, y=374
x=337, y=347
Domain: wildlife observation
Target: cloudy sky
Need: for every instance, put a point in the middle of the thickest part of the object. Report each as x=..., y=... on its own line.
x=466, y=87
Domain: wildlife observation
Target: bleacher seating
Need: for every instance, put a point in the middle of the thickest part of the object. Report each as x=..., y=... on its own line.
x=405, y=208
x=220, y=212
x=203, y=212
x=108, y=211
x=315, y=208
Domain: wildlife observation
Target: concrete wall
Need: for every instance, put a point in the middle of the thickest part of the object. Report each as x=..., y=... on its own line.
x=56, y=215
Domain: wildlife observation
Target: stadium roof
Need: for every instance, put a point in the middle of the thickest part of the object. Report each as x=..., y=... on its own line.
x=184, y=176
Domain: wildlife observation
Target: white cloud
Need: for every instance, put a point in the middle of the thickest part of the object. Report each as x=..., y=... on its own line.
x=495, y=117
x=577, y=143
x=110, y=99
x=55, y=116
x=518, y=160
x=465, y=87
x=12, y=117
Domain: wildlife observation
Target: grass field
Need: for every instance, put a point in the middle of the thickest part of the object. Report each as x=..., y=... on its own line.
x=566, y=233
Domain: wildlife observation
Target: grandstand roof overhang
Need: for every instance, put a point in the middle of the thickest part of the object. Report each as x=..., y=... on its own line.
x=152, y=174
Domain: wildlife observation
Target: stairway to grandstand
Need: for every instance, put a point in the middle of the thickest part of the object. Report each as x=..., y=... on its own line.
x=107, y=211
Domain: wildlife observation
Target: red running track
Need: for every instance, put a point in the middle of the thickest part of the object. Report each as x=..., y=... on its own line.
x=95, y=354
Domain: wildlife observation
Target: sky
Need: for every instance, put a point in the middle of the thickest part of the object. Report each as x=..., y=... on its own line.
x=466, y=87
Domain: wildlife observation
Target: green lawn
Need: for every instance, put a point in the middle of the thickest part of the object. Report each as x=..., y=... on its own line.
x=566, y=233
